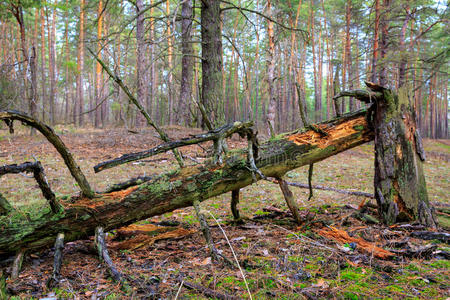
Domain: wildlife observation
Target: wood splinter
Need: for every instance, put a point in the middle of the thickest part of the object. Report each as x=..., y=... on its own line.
x=103, y=254
x=54, y=280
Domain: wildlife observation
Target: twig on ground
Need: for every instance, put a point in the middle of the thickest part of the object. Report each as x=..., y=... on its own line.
x=234, y=255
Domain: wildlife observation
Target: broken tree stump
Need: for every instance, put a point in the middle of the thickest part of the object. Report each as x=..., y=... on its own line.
x=399, y=183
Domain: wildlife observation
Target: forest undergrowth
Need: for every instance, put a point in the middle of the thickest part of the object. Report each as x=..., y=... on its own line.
x=166, y=257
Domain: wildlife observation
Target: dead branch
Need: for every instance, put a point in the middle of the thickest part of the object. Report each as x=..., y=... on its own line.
x=164, y=137
x=129, y=183
x=216, y=134
x=38, y=173
x=362, y=95
x=431, y=235
x=59, y=145
x=103, y=254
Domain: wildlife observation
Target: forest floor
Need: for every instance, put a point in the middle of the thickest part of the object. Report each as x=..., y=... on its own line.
x=280, y=259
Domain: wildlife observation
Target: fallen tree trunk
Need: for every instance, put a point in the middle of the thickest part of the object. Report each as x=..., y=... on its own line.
x=182, y=187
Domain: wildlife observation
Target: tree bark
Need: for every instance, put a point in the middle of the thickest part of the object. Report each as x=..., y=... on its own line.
x=211, y=61
x=98, y=67
x=78, y=110
x=187, y=63
x=182, y=187
x=271, y=73
x=399, y=183
x=43, y=77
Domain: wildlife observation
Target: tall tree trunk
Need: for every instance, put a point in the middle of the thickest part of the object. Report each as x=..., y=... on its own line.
x=170, y=86
x=44, y=77
x=211, y=61
x=152, y=91
x=68, y=83
x=317, y=99
x=140, y=60
x=271, y=72
x=187, y=63
x=51, y=32
x=329, y=65
x=402, y=48
x=78, y=112
x=348, y=53
x=33, y=69
x=384, y=23
x=376, y=38
x=98, y=67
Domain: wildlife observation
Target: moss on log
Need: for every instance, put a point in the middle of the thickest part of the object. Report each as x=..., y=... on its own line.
x=180, y=188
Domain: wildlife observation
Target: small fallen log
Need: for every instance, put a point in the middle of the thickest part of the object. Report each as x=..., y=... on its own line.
x=416, y=251
x=431, y=235
x=327, y=188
